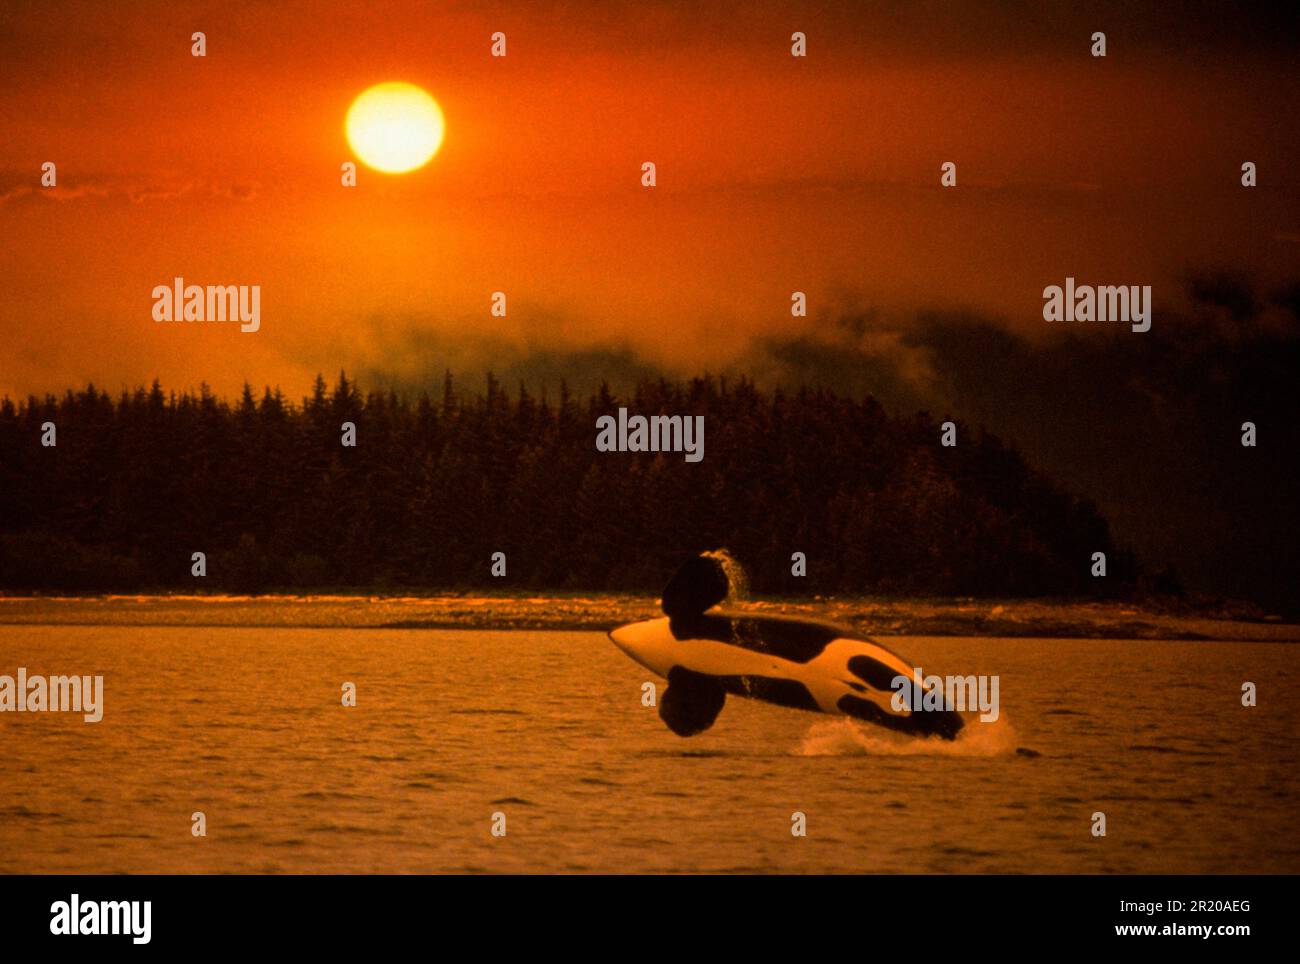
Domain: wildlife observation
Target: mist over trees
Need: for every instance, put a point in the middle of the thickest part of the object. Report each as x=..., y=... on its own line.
x=436, y=485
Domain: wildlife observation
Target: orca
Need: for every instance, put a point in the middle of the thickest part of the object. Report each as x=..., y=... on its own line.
x=706, y=655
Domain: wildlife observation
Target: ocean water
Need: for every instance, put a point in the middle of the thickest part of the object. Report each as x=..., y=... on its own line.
x=548, y=728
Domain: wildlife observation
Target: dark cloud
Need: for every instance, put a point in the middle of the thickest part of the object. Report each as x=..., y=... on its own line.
x=943, y=29
x=413, y=356
x=1146, y=424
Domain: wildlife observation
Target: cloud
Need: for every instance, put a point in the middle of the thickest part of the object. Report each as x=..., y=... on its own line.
x=413, y=354
x=17, y=186
x=1148, y=425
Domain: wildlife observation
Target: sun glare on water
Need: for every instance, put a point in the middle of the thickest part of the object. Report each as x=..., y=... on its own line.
x=395, y=127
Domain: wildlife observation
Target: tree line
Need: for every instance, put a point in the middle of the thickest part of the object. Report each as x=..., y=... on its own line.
x=435, y=485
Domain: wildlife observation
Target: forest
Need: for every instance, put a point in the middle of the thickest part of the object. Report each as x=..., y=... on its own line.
x=133, y=486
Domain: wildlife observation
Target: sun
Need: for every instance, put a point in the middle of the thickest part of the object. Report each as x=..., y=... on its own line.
x=395, y=127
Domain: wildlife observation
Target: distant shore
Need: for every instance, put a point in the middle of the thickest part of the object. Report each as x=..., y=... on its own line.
x=875, y=616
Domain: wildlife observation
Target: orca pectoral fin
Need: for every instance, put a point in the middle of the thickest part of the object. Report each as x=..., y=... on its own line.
x=698, y=585
x=691, y=702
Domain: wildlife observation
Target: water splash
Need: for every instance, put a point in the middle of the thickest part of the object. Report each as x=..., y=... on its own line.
x=846, y=737
x=737, y=578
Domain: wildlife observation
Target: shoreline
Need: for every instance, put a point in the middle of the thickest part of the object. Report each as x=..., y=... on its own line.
x=872, y=616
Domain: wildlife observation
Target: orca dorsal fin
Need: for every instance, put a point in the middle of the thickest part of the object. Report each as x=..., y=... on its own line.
x=698, y=585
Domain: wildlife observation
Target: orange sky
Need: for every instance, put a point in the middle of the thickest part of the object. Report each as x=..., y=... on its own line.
x=775, y=174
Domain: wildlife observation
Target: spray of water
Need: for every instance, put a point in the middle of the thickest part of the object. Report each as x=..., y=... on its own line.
x=846, y=737
x=737, y=578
